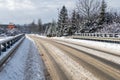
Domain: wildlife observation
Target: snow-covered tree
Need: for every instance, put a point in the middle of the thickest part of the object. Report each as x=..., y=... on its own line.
x=62, y=22
x=54, y=26
x=79, y=22
x=73, y=24
x=51, y=29
x=102, y=16
x=89, y=10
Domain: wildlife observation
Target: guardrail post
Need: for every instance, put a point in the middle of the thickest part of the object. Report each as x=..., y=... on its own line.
x=0, y=50
x=4, y=45
x=110, y=35
x=97, y=35
x=8, y=44
x=11, y=42
x=101, y=35
x=116, y=35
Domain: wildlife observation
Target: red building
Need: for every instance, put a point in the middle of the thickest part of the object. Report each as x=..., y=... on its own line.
x=11, y=26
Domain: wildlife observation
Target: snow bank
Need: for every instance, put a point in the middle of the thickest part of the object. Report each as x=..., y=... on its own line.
x=38, y=35
x=108, y=47
x=103, y=55
x=34, y=66
x=26, y=64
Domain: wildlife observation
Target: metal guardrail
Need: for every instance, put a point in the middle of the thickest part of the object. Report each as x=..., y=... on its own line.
x=103, y=37
x=8, y=43
x=108, y=35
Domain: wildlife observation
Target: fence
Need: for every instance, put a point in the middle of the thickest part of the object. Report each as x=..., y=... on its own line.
x=110, y=35
x=8, y=43
x=103, y=37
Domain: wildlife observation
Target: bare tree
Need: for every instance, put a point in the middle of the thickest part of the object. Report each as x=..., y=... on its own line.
x=88, y=8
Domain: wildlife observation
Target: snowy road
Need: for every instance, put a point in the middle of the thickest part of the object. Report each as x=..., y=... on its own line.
x=25, y=64
x=76, y=62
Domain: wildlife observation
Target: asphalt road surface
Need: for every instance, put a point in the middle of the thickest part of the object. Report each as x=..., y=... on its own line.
x=93, y=67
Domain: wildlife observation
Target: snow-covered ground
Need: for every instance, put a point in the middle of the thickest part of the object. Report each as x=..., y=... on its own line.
x=39, y=35
x=25, y=64
x=108, y=47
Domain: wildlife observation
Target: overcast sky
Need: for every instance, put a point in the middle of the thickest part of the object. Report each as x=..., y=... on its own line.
x=25, y=11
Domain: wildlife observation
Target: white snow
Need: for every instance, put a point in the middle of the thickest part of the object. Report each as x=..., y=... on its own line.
x=103, y=55
x=108, y=47
x=2, y=39
x=38, y=35
x=110, y=28
x=25, y=64
x=5, y=38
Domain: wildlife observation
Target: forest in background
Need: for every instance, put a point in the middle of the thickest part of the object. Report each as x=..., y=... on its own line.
x=89, y=16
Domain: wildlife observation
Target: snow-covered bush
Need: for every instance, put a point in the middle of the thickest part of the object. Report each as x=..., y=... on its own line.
x=110, y=28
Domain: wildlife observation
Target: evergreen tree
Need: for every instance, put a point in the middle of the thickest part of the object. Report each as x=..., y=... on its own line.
x=40, y=27
x=78, y=22
x=49, y=31
x=73, y=27
x=33, y=27
x=53, y=28
x=102, y=13
x=62, y=22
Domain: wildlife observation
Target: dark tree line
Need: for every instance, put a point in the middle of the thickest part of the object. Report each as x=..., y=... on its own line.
x=33, y=27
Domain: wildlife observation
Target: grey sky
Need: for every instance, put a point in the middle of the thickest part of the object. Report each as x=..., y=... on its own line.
x=25, y=11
